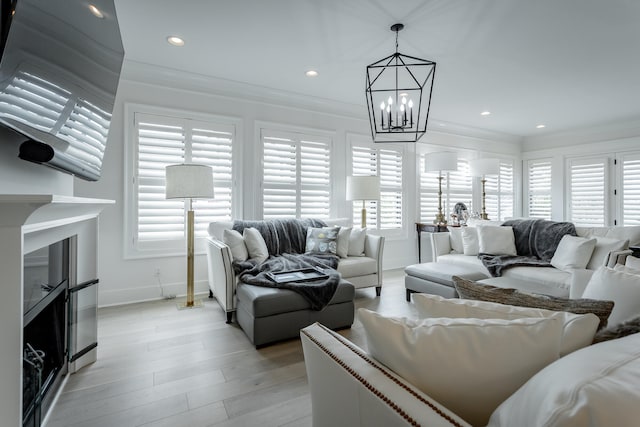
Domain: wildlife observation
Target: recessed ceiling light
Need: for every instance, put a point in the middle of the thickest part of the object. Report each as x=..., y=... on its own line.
x=96, y=12
x=485, y=113
x=540, y=126
x=175, y=40
x=311, y=73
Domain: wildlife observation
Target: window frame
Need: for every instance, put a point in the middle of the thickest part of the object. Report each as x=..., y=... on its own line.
x=170, y=247
x=528, y=194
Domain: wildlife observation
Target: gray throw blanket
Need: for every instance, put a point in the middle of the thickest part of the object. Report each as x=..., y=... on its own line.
x=318, y=292
x=536, y=242
x=282, y=236
x=286, y=241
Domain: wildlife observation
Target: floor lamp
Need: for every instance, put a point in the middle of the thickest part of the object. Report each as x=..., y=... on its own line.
x=363, y=188
x=189, y=181
x=481, y=168
x=440, y=162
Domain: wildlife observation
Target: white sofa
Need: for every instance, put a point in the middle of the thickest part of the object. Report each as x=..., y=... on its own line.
x=595, y=386
x=361, y=271
x=545, y=280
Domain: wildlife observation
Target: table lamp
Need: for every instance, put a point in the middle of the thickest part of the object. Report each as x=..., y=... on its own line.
x=482, y=168
x=366, y=187
x=440, y=162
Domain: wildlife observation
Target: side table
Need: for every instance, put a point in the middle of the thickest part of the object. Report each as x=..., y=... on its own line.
x=431, y=228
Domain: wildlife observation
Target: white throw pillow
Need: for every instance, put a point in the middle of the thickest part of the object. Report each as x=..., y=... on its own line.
x=595, y=386
x=468, y=365
x=469, y=240
x=578, y=330
x=455, y=238
x=356, y=241
x=604, y=245
x=235, y=241
x=256, y=246
x=343, y=242
x=496, y=240
x=632, y=262
x=617, y=286
x=573, y=252
x=626, y=269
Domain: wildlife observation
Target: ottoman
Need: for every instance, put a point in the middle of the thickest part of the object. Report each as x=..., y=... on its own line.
x=436, y=278
x=267, y=315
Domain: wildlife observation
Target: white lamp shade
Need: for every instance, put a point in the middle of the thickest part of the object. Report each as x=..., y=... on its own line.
x=482, y=167
x=363, y=187
x=189, y=181
x=441, y=162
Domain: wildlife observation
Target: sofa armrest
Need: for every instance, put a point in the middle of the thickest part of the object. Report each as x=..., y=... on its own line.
x=374, y=248
x=440, y=244
x=349, y=388
x=222, y=279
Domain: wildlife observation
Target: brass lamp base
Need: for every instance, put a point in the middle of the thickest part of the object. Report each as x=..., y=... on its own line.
x=195, y=304
x=440, y=219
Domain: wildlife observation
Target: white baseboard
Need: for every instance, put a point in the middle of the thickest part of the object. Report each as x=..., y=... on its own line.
x=108, y=297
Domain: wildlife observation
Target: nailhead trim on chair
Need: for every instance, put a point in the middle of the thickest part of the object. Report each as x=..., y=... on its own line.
x=370, y=387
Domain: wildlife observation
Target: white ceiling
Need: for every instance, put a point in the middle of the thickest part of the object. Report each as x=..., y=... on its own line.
x=568, y=64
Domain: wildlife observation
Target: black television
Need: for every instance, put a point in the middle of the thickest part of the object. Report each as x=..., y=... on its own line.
x=59, y=73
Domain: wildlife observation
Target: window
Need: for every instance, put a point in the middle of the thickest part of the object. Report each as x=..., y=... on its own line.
x=385, y=213
x=499, y=192
x=296, y=175
x=456, y=187
x=630, y=196
x=587, y=186
x=158, y=223
x=539, y=188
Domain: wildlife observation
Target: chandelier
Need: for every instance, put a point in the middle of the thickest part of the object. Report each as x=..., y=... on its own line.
x=399, y=96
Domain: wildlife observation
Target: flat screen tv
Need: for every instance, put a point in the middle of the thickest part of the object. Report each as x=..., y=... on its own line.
x=59, y=72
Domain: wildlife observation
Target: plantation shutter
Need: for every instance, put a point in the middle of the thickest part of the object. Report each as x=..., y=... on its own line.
x=296, y=176
x=385, y=213
x=164, y=141
x=429, y=193
x=499, y=192
x=539, y=189
x=630, y=189
x=86, y=132
x=459, y=188
x=587, y=192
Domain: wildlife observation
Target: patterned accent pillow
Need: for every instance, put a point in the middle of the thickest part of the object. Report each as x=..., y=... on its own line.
x=322, y=240
x=472, y=290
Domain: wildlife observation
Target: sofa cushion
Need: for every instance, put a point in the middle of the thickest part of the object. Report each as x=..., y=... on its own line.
x=595, y=386
x=578, y=330
x=441, y=272
x=470, y=243
x=527, y=286
x=573, y=252
x=632, y=262
x=356, y=241
x=322, y=240
x=261, y=301
x=604, y=245
x=619, y=233
x=235, y=241
x=256, y=246
x=547, y=276
x=342, y=244
x=471, y=290
x=617, y=286
x=455, y=239
x=216, y=228
x=357, y=266
x=468, y=365
x=496, y=240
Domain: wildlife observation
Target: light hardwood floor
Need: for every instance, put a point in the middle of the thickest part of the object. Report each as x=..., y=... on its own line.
x=158, y=366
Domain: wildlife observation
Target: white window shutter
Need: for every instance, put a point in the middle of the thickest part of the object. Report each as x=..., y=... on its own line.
x=587, y=192
x=364, y=161
x=499, y=192
x=630, y=189
x=539, y=189
x=296, y=176
x=459, y=188
x=390, y=213
x=428, y=193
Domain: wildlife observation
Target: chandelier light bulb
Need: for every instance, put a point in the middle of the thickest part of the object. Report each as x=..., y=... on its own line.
x=390, y=101
x=382, y=105
x=388, y=108
x=404, y=100
x=410, y=103
x=402, y=108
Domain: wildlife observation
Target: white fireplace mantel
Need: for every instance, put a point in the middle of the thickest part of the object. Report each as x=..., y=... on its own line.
x=26, y=220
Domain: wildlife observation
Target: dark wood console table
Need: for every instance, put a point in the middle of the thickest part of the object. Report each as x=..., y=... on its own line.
x=431, y=228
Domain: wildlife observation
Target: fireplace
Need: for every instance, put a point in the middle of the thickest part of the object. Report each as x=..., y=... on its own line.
x=45, y=349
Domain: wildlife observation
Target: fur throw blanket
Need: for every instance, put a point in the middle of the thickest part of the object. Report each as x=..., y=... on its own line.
x=282, y=236
x=318, y=292
x=536, y=242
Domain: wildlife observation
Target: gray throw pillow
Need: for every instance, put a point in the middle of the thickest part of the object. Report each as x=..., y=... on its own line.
x=477, y=291
x=322, y=240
